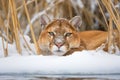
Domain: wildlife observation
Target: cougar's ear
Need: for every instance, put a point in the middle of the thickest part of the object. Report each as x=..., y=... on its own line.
x=76, y=22
x=44, y=20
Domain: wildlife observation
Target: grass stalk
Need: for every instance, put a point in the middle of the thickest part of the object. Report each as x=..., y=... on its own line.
x=70, y=9
x=110, y=37
x=15, y=25
x=32, y=32
x=4, y=49
x=36, y=6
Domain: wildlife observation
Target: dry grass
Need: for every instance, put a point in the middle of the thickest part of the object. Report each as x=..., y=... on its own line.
x=113, y=19
x=15, y=15
x=31, y=28
x=15, y=23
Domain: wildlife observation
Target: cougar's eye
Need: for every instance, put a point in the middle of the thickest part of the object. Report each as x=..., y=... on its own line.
x=51, y=33
x=68, y=34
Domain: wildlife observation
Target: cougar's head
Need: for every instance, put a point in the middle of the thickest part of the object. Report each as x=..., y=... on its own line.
x=60, y=35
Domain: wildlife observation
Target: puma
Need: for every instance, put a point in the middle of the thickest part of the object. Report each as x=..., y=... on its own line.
x=61, y=37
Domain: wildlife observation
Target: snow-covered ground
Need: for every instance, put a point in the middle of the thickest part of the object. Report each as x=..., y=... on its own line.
x=83, y=62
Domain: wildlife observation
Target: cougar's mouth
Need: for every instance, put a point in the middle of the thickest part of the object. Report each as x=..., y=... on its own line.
x=58, y=51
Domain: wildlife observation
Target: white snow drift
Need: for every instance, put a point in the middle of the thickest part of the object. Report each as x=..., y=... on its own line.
x=82, y=62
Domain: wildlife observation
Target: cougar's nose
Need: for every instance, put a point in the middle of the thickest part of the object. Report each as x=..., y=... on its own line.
x=59, y=44
x=59, y=41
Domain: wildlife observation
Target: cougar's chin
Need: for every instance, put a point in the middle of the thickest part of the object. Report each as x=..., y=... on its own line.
x=58, y=51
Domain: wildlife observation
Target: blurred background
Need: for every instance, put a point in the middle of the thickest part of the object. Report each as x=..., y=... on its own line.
x=22, y=16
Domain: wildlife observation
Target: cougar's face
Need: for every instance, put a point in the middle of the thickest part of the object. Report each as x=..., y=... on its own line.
x=60, y=34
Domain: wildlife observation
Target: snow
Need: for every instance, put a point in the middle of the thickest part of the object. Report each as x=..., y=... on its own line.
x=82, y=62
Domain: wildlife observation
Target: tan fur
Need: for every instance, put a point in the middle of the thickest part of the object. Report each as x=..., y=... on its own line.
x=77, y=41
x=91, y=40
x=61, y=27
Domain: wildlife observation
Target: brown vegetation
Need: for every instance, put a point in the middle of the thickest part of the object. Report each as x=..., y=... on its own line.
x=22, y=17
